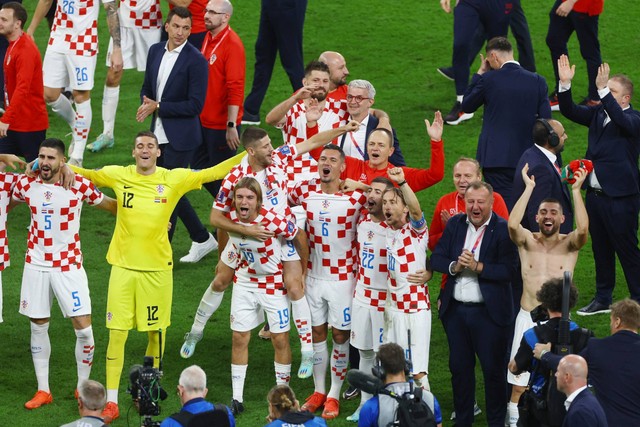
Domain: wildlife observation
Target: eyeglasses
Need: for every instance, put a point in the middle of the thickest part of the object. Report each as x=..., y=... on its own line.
x=213, y=12
x=357, y=99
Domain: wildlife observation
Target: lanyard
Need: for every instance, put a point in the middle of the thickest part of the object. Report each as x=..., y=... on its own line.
x=355, y=144
x=475, y=245
x=213, y=56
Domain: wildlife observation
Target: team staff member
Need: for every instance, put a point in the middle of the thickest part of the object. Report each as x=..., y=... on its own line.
x=141, y=281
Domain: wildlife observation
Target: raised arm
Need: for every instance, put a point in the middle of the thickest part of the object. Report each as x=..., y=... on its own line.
x=415, y=213
x=517, y=232
x=275, y=117
x=419, y=179
x=580, y=235
x=322, y=138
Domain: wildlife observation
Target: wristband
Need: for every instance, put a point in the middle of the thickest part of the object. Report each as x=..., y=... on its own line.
x=400, y=184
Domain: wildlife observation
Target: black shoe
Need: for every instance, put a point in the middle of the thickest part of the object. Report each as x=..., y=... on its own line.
x=594, y=307
x=446, y=72
x=236, y=407
x=250, y=119
x=351, y=393
x=456, y=115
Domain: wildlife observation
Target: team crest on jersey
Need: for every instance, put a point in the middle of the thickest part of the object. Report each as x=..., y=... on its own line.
x=48, y=195
x=363, y=177
x=160, y=188
x=24, y=303
x=325, y=204
x=109, y=316
x=231, y=256
x=370, y=235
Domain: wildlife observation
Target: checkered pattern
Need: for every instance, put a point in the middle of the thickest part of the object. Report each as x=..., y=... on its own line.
x=302, y=325
x=372, y=276
x=88, y=350
x=273, y=182
x=141, y=14
x=76, y=33
x=260, y=264
x=54, y=242
x=331, y=228
x=339, y=364
x=407, y=253
x=7, y=183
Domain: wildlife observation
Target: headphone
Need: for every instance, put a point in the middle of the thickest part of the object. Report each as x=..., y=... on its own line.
x=379, y=372
x=553, y=138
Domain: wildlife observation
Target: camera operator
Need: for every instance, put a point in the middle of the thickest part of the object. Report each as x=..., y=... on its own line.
x=192, y=389
x=380, y=410
x=92, y=397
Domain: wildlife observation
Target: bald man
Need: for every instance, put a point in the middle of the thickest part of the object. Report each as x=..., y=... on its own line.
x=338, y=73
x=583, y=409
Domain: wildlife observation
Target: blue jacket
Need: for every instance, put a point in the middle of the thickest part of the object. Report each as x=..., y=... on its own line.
x=585, y=411
x=298, y=419
x=196, y=406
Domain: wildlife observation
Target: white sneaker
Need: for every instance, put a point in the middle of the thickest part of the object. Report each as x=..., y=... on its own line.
x=189, y=346
x=306, y=365
x=199, y=250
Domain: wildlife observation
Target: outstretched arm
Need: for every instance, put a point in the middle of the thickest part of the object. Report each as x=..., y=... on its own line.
x=325, y=137
x=108, y=204
x=580, y=235
x=517, y=232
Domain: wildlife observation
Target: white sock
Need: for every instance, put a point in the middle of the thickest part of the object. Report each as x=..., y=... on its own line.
x=112, y=396
x=238, y=374
x=209, y=303
x=110, y=98
x=302, y=319
x=283, y=373
x=62, y=106
x=512, y=408
x=423, y=383
x=339, y=362
x=459, y=98
x=367, y=360
x=84, y=352
x=320, y=363
x=81, y=129
x=40, y=353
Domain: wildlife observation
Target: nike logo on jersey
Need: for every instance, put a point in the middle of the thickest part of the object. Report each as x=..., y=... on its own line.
x=127, y=186
x=324, y=212
x=76, y=309
x=242, y=245
x=151, y=323
x=47, y=204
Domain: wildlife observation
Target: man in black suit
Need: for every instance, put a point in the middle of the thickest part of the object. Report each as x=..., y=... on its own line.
x=476, y=304
x=544, y=163
x=513, y=99
x=613, y=188
x=583, y=409
x=173, y=93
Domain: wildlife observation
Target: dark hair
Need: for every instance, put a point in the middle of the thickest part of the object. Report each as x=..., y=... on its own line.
x=500, y=44
x=628, y=311
x=383, y=180
x=388, y=134
x=391, y=357
x=282, y=397
x=540, y=133
x=550, y=295
x=146, y=133
x=551, y=200
x=180, y=12
x=251, y=135
x=477, y=185
x=315, y=65
x=334, y=147
x=19, y=12
x=54, y=143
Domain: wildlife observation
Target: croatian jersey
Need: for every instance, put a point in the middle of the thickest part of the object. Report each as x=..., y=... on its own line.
x=371, y=286
x=331, y=227
x=142, y=14
x=258, y=264
x=407, y=253
x=75, y=27
x=294, y=131
x=54, y=239
x=273, y=182
x=7, y=183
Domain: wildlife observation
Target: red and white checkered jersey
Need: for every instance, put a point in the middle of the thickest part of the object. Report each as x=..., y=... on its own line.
x=273, y=182
x=331, y=228
x=7, y=183
x=142, y=14
x=258, y=264
x=407, y=253
x=54, y=240
x=75, y=27
x=294, y=131
x=371, y=285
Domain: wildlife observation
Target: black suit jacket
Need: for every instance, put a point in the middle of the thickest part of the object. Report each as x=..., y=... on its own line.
x=396, y=159
x=548, y=184
x=499, y=256
x=585, y=411
x=183, y=95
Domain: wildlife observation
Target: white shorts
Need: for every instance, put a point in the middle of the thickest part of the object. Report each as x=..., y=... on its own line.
x=289, y=252
x=135, y=43
x=62, y=70
x=330, y=302
x=523, y=323
x=248, y=308
x=70, y=288
x=367, y=326
x=396, y=326
x=301, y=216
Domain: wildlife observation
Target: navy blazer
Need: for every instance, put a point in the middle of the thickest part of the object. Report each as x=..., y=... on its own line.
x=613, y=149
x=513, y=99
x=585, y=411
x=499, y=256
x=548, y=184
x=183, y=95
x=396, y=159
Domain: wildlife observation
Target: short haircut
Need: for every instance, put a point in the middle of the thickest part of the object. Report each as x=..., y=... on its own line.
x=335, y=147
x=391, y=357
x=282, y=397
x=251, y=184
x=540, y=132
x=180, y=12
x=386, y=132
x=551, y=200
x=500, y=44
x=19, y=12
x=469, y=160
x=625, y=82
x=628, y=311
x=477, y=185
x=252, y=135
x=93, y=395
x=550, y=295
x=383, y=180
x=54, y=143
x=316, y=65
x=146, y=133
x=193, y=379
x=364, y=84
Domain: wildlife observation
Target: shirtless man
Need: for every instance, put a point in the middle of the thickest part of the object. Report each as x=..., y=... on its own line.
x=543, y=255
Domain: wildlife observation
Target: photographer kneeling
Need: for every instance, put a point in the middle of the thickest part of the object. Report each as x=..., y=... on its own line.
x=192, y=389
